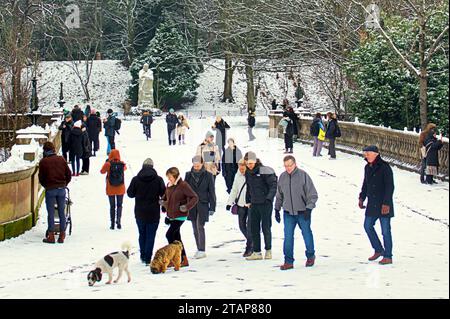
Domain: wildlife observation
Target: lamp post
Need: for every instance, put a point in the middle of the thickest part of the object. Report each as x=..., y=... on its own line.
x=61, y=101
x=34, y=103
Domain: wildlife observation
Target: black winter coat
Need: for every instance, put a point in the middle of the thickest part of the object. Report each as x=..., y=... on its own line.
x=378, y=187
x=221, y=138
x=76, y=142
x=261, y=185
x=87, y=145
x=172, y=121
x=94, y=126
x=147, y=188
x=251, y=121
x=110, y=125
x=147, y=120
x=331, y=129
x=434, y=145
x=230, y=160
x=77, y=115
x=294, y=119
x=65, y=128
x=206, y=192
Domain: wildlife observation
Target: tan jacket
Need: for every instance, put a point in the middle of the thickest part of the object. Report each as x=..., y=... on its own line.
x=211, y=157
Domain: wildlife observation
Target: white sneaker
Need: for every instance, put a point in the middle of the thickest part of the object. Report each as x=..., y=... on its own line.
x=255, y=256
x=200, y=255
x=84, y=173
x=268, y=254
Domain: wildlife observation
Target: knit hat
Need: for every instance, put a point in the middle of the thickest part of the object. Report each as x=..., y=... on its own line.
x=78, y=124
x=148, y=162
x=109, y=111
x=371, y=148
x=171, y=110
x=209, y=134
x=197, y=159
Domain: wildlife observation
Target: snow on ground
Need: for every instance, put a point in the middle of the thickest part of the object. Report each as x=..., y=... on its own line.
x=31, y=269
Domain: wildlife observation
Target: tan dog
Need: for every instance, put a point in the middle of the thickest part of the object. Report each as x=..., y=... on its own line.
x=165, y=256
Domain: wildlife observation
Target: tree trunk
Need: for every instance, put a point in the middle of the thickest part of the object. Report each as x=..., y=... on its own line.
x=251, y=101
x=423, y=99
x=228, y=83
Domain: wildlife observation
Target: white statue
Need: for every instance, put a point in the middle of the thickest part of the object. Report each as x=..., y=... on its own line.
x=145, y=86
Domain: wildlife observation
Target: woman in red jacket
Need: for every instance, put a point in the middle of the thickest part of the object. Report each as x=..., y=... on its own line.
x=178, y=200
x=114, y=169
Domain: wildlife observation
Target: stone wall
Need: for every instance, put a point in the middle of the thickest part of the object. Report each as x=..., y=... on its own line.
x=398, y=147
x=20, y=198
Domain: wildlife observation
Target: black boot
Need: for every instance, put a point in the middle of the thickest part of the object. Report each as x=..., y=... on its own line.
x=113, y=219
x=119, y=217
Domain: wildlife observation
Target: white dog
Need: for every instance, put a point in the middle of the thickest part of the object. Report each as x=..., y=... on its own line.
x=108, y=263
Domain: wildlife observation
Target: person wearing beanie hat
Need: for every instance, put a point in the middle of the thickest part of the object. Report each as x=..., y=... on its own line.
x=378, y=188
x=147, y=188
x=109, y=125
x=202, y=183
x=172, y=123
x=76, y=149
x=210, y=154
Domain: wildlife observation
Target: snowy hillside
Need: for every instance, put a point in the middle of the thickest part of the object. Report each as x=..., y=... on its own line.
x=420, y=232
x=108, y=86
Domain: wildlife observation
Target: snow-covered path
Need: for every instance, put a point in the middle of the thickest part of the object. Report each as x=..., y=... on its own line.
x=31, y=269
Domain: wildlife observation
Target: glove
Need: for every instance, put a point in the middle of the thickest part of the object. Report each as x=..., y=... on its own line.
x=211, y=212
x=228, y=207
x=307, y=214
x=183, y=209
x=277, y=216
x=167, y=221
x=385, y=209
x=361, y=204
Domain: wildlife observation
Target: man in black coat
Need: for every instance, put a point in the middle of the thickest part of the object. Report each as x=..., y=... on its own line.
x=261, y=190
x=221, y=127
x=77, y=114
x=251, y=121
x=172, y=122
x=147, y=188
x=202, y=183
x=65, y=129
x=76, y=149
x=94, y=127
x=378, y=188
x=110, y=130
x=294, y=117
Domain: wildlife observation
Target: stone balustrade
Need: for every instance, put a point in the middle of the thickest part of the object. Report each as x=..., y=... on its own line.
x=397, y=147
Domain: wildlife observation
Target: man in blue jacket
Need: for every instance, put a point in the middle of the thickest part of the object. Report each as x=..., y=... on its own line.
x=378, y=188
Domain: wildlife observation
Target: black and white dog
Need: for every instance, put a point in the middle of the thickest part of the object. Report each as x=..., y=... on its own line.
x=108, y=263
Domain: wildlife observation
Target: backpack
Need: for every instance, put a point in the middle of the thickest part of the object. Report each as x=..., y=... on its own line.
x=116, y=174
x=314, y=129
x=117, y=124
x=337, y=133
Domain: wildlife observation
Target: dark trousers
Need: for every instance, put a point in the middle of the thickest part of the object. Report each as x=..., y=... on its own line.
x=385, y=222
x=244, y=226
x=86, y=164
x=65, y=151
x=199, y=233
x=172, y=136
x=288, y=141
x=261, y=215
x=147, y=234
x=423, y=166
x=174, y=233
x=115, y=208
x=52, y=197
x=112, y=142
x=148, y=131
x=95, y=144
x=229, y=179
x=332, y=148
x=75, y=159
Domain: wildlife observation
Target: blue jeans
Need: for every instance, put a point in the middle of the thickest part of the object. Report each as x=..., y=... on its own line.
x=369, y=224
x=52, y=197
x=290, y=222
x=147, y=234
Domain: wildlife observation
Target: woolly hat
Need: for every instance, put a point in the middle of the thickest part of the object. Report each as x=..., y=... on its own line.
x=109, y=111
x=78, y=124
x=171, y=110
x=148, y=162
x=371, y=148
x=209, y=134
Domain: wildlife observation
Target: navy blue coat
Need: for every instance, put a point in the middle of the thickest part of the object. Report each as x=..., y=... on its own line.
x=110, y=125
x=378, y=188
